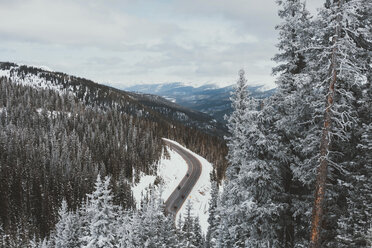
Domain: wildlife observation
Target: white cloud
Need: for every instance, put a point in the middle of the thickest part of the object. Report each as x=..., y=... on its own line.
x=133, y=41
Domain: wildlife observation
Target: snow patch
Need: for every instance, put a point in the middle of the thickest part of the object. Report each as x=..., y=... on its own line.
x=4, y=73
x=171, y=171
x=141, y=188
x=53, y=114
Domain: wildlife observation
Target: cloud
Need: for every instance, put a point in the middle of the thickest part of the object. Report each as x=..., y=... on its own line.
x=132, y=41
x=77, y=23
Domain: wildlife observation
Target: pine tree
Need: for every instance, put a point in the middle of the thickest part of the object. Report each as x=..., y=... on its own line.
x=213, y=218
x=168, y=232
x=235, y=125
x=223, y=238
x=188, y=225
x=290, y=119
x=66, y=233
x=102, y=211
x=232, y=196
x=197, y=240
x=357, y=215
x=250, y=198
x=337, y=66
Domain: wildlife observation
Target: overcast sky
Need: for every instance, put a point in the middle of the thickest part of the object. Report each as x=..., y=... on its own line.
x=126, y=42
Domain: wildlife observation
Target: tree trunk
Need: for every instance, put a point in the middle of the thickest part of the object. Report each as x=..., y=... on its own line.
x=322, y=171
x=317, y=214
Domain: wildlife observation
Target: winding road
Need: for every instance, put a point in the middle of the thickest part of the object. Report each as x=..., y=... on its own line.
x=180, y=194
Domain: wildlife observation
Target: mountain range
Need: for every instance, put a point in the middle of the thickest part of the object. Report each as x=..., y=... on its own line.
x=209, y=99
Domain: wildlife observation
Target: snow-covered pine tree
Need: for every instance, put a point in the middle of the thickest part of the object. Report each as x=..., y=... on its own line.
x=236, y=126
x=102, y=225
x=213, y=218
x=67, y=228
x=357, y=216
x=168, y=232
x=223, y=238
x=197, y=239
x=233, y=195
x=290, y=118
x=188, y=225
x=180, y=233
x=249, y=202
x=337, y=67
x=44, y=244
x=125, y=230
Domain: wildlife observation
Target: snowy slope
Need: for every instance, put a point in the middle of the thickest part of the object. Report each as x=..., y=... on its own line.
x=31, y=80
x=171, y=171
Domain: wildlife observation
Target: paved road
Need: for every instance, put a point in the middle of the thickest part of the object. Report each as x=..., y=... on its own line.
x=180, y=194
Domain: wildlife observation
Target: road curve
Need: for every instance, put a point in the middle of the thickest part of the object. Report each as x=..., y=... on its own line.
x=175, y=201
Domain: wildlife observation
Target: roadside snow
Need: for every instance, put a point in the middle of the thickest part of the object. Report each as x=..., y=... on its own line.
x=171, y=171
x=140, y=189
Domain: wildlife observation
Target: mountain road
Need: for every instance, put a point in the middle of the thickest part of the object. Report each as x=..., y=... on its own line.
x=178, y=197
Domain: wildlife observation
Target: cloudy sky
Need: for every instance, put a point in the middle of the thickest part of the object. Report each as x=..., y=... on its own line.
x=126, y=42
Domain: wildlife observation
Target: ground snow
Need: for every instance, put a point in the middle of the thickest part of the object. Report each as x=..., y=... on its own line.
x=34, y=81
x=171, y=171
x=140, y=189
x=4, y=73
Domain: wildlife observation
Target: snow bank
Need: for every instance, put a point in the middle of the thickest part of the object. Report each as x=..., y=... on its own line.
x=140, y=189
x=171, y=171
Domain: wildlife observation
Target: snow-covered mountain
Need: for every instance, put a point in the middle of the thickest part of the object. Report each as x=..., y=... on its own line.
x=210, y=98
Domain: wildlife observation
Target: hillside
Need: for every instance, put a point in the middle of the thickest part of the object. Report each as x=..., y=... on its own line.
x=92, y=93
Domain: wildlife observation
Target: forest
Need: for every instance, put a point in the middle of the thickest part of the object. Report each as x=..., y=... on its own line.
x=294, y=171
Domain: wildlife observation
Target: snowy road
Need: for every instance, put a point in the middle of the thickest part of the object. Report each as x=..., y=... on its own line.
x=180, y=194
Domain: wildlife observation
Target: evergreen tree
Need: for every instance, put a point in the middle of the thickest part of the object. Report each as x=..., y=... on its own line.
x=213, y=218
x=66, y=233
x=250, y=198
x=235, y=124
x=188, y=225
x=197, y=240
x=233, y=196
x=337, y=65
x=291, y=120
x=102, y=211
